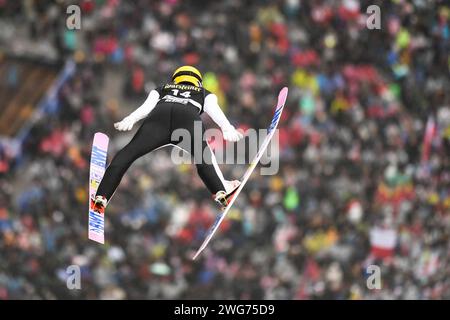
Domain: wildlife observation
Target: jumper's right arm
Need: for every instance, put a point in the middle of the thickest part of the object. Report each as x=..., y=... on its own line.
x=140, y=113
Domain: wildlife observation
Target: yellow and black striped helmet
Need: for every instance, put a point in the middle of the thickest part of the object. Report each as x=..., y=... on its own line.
x=188, y=74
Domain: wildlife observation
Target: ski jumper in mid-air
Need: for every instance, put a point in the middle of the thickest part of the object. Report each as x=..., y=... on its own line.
x=176, y=105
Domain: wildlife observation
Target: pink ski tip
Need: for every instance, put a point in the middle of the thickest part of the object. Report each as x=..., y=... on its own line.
x=282, y=96
x=102, y=139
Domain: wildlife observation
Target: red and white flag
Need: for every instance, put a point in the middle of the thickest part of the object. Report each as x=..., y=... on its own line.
x=383, y=242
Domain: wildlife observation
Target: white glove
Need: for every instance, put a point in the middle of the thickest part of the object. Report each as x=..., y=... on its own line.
x=231, y=134
x=125, y=125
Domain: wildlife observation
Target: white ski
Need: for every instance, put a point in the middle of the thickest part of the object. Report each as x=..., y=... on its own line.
x=282, y=96
x=96, y=171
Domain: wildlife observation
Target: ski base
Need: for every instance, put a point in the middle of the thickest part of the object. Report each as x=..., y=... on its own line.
x=96, y=230
x=282, y=96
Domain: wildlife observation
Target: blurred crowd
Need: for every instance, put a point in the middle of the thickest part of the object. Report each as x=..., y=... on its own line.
x=364, y=173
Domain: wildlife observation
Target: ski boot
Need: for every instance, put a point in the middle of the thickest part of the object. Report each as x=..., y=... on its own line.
x=99, y=204
x=223, y=198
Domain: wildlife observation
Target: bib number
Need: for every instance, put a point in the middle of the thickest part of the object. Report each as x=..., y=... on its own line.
x=186, y=94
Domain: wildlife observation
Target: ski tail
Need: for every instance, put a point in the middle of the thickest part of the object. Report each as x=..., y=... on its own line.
x=97, y=169
x=282, y=96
